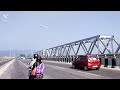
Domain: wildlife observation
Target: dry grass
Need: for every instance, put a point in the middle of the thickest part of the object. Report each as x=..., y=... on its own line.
x=2, y=59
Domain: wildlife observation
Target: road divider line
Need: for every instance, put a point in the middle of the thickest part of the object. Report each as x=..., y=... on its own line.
x=23, y=64
x=89, y=73
x=4, y=67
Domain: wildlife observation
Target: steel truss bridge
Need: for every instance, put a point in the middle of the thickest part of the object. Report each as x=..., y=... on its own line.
x=105, y=47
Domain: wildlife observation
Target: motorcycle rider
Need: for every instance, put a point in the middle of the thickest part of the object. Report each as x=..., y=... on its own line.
x=33, y=60
x=38, y=67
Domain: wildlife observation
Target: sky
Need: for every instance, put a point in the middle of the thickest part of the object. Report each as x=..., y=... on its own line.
x=39, y=30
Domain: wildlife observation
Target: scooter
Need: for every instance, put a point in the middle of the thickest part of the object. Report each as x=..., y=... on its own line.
x=37, y=76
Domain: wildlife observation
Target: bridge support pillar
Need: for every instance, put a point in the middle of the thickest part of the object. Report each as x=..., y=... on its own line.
x=106, y=62
x=72, y=58
x=69, y=59
x=58, y=59
x=100, y=61
x=113, y=63
x=65, y=58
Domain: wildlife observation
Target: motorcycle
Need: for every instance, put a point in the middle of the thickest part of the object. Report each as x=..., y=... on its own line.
x=37, y=76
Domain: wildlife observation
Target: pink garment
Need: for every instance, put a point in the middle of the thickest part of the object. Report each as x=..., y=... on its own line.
x=40, y=68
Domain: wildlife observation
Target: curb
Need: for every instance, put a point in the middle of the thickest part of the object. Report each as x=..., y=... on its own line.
x=58, y=62
x=117, y=68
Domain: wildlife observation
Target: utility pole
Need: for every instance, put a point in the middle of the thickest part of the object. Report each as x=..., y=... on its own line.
x=10, y=52
x=31, y=53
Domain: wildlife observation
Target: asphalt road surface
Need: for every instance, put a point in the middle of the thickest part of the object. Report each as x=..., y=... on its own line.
x=18, y=70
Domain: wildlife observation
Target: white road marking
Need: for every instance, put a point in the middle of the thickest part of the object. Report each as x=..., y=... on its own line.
x=89, y=73
x=23, y=64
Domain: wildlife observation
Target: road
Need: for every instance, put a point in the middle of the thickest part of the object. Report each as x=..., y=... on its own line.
x=18, y=70
x=66, y=71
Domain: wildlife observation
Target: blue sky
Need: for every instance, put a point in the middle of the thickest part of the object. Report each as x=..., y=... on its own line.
x=22, y=30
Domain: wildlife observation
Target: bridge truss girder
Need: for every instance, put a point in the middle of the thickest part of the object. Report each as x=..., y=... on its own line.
x=64, y=50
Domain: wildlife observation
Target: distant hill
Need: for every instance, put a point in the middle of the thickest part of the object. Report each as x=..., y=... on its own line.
x=16, y=52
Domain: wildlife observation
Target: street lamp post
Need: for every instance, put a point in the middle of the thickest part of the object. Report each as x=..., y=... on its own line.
x=10, y=52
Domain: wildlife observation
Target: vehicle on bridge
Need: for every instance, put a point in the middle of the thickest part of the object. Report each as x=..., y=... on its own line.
x=86, y=62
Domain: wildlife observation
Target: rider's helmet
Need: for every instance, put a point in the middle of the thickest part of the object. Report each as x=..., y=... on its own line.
x=39, y=58
x=35, y=56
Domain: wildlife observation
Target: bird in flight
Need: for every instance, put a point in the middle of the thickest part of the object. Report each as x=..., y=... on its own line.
x=43, y=26
x=4, y=17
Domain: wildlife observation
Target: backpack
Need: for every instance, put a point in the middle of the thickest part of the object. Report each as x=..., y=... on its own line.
x=39, y=67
